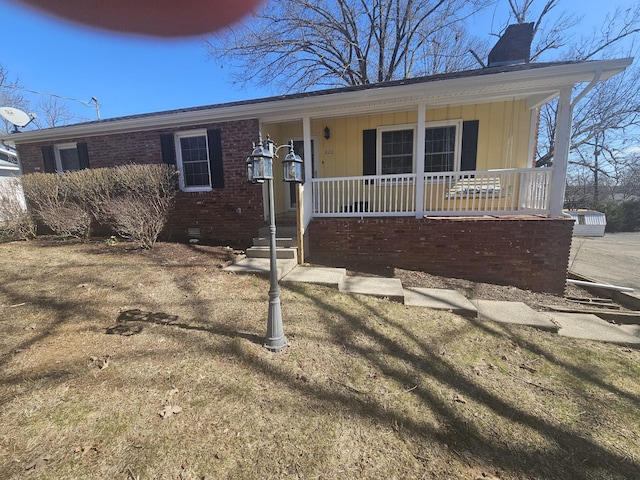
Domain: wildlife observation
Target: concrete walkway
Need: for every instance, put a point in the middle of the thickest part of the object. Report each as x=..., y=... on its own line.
x=566, y=324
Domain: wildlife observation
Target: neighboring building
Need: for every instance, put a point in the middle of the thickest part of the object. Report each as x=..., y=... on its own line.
x=9, y=170
x=466, y=203
x=588, y=223
x=8, y=163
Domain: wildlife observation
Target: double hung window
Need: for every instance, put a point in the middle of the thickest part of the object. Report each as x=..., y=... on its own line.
x=396, y=151
x=192, y=154
x=67, y=158
x=442, y=148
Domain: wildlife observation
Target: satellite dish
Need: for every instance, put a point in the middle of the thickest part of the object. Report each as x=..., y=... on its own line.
x=17, y=117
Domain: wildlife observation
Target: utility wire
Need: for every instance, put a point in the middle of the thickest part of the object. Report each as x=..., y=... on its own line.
x=93, y=103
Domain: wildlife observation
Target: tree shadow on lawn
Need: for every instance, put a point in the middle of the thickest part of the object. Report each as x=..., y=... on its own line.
x=574, y=456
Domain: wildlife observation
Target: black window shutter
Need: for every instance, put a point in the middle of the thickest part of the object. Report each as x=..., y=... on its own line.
x=469, y=145
x=49, y=159
x=83, y=155
x=215, y=158
x=369, y=138
x=168, y=148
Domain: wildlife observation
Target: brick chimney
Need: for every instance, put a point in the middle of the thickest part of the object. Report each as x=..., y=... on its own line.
x=513, y=47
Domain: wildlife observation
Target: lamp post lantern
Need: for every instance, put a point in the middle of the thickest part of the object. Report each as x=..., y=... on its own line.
x=260, y=170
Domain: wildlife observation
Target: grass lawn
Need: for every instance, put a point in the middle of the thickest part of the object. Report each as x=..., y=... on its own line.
x=125, y=364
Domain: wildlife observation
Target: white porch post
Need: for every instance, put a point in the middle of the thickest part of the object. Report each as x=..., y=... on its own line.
x=305, y=207
x=422, y=115
x=561, y=151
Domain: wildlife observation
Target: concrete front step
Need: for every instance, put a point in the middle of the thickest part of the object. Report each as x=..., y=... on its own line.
x=326, y=276
x=440, y=299
x=281, y=242
x=590, y=327
x=264, y=252
x=262, y=266
x=390, y=288
x=513, y=312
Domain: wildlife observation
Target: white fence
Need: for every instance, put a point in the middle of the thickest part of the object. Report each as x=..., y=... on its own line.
x=491, y=192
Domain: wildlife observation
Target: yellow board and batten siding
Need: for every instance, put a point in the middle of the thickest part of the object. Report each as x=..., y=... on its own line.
x=503, y=140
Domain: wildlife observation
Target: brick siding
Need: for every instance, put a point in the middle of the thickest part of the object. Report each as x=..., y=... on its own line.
x=232, y=214
x=526, y=252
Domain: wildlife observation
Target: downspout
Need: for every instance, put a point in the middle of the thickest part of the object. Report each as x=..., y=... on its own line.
x=587, y=89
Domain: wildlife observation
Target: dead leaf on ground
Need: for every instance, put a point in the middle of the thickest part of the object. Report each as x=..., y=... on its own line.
x=39, y=462
x=169, y=410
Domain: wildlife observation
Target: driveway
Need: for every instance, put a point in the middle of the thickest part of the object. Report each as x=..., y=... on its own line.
x=614, y=259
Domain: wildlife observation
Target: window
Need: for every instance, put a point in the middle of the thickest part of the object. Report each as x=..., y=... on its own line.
x=440, y=149
x=396, y=151
x=67, y=158
x=192, y=152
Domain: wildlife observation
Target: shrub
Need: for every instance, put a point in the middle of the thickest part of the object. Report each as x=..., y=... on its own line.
x=132, y=200
x=622, y=217
x=139, y=201
x=52, y=200
x=16, y=222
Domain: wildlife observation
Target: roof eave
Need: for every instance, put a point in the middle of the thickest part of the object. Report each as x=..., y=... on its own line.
x=479, y=88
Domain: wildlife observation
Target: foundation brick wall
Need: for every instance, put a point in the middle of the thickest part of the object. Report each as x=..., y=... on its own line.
x=527, y=252
x=232, y=214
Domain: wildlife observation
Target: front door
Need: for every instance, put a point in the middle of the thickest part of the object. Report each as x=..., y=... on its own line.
x=292, y=197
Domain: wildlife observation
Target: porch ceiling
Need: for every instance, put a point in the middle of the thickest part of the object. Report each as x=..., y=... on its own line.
x=536, y=83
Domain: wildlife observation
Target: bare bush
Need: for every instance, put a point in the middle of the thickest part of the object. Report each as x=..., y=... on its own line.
x=53, y=202
x=132, y=200
x=139, y=201
x=16, y=222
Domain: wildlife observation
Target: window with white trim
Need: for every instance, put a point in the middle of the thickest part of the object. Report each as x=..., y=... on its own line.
x=67, y=158
x=192, y=156
x=396, y=152
x=442, y=148
x=441, y=151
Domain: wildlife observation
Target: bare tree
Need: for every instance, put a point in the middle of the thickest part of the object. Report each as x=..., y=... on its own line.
x=550, y=33
x=606, y=120
x=55, y=112
x=10, y=96
x=296, y=45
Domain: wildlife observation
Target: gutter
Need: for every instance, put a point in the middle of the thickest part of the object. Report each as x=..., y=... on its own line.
x=438, y=91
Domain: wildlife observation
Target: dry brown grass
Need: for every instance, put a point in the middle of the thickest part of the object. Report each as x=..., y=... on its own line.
x=367, y=389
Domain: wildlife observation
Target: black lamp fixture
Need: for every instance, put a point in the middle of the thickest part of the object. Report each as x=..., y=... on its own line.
x=327, y=133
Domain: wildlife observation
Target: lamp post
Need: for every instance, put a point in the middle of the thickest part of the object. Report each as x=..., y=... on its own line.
x=260, y=170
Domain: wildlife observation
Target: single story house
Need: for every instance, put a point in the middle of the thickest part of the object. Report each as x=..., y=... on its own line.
x=433, y=173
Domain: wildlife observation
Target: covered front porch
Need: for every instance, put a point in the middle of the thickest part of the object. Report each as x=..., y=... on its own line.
x=438, y=175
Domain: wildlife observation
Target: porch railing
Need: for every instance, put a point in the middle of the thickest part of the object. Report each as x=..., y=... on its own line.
x=490, y=192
